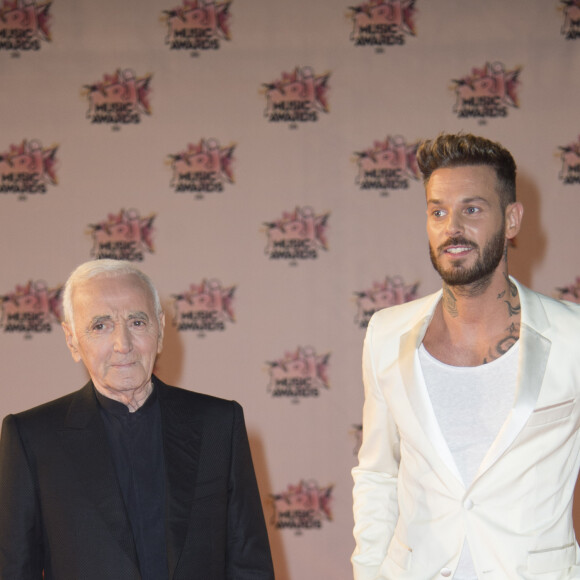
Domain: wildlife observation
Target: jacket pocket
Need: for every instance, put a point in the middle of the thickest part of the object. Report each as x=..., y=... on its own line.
x=550, y=414
x=544, y=561
x=400, y=553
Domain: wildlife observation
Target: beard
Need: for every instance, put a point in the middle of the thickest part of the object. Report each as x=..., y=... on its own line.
x=487, y=262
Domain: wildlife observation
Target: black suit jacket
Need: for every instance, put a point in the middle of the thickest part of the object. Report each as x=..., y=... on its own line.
x=62, y=511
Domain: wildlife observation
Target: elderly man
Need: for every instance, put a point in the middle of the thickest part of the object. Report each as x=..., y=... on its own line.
x=128, y=478
x=470, y=446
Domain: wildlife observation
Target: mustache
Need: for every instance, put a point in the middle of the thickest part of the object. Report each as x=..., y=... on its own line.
x=456, y=241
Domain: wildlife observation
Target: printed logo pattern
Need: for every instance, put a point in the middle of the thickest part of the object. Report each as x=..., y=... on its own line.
x=571, y=292
x=299, y=374
x=297, y=235
x=28, y=168
x=197, y=25
x=297, y=97
x=206, y=307
x=24, y=25
x=383, y=23
x=32, y=308
x=487, y=92
x=570, y=157
x=202, y=168
x=303, y=507
x=124, y=236
x=571, y=24
x=389, y=292
x=387, y=165
x=119, y=99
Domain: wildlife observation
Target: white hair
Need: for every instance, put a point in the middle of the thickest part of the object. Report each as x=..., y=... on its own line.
x=109, y=269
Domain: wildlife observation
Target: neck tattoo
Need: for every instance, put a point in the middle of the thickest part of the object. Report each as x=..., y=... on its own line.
x=511, y=299
x=449, y=301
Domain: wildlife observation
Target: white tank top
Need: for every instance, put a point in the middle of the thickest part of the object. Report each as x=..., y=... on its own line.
x=470, y=405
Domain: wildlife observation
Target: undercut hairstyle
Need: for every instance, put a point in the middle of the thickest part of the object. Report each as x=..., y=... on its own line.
x=448, y=150
x=109, y=269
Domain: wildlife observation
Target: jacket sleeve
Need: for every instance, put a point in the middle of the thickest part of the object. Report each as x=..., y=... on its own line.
x=248, y=549
x=375, y=505
x=20, y=529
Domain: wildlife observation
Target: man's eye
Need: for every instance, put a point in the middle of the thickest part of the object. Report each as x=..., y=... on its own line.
x=98, y=326
x=472, y=210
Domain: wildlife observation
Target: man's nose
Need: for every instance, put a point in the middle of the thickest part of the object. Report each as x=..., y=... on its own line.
x=122, y=339
x=454, y=224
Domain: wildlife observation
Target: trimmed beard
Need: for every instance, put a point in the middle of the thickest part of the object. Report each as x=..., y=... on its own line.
x=484, y=267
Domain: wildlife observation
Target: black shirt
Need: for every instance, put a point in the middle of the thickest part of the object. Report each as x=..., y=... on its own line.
x=137, y=447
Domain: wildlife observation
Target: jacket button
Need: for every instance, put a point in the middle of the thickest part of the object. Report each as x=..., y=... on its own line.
x=468, y=504
x=446, y=572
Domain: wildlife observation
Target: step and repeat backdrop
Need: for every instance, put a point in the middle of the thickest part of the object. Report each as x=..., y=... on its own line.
x=256, y=159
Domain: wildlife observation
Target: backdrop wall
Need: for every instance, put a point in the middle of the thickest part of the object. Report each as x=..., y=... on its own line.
x=256, y=159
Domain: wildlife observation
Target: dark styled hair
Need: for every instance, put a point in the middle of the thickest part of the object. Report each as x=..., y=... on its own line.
x=448, y=150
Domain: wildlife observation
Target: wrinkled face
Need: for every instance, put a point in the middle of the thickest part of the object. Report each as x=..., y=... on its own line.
x=117, y=333
x=466, y=225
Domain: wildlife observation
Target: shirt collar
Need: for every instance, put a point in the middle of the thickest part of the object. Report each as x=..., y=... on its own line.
x=117, y=408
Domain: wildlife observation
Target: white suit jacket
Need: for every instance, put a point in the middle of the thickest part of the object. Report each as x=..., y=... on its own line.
x=412, y=511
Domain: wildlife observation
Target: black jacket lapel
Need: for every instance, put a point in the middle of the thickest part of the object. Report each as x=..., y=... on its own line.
x=181, y=447
x=85, y=441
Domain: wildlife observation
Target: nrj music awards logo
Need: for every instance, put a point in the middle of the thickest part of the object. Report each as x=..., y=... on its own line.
x=487, y=92
x=299, y=374
x=123, y=236
x=389, y=292
x=205, y=307
x=297, y=235
x=31, y=309
x=197, y=25
x=387, y=165
x=202, y=168
x=571, y=24
x=305, y=506
x=297, y=97
x=24, y=25
x=571, y=292
x=570, y=157
x=119, y=99
x=28, y=168
x=381, y=23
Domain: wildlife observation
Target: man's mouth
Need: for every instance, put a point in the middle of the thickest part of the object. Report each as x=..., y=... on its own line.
x=456, y=247
x=455, y=250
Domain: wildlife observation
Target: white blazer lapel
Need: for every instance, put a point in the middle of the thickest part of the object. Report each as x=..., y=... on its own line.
x=417, y=390
x=533, y=358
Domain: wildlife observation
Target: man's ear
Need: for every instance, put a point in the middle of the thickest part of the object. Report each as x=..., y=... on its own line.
x=513, y=219
x=161, y=332
x=71, y=342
